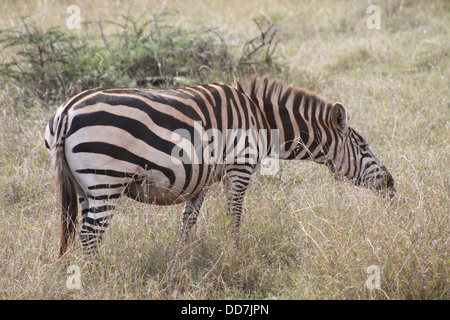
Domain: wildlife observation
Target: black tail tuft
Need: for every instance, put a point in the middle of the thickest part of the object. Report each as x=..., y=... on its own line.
x=68, y=195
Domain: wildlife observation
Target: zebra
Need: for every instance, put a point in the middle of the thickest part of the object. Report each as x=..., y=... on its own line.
x=110, y=142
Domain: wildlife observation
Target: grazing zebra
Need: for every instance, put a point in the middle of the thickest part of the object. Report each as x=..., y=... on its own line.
x=149, y=145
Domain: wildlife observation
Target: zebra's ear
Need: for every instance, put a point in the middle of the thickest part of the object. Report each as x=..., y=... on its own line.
x=339, y=117
x=238, y=87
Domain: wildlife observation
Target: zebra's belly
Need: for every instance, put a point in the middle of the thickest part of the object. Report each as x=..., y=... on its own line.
x=153, y=192
x=149, y=192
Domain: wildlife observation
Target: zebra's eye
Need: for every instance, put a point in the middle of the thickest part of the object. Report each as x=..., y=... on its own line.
x=364, y=147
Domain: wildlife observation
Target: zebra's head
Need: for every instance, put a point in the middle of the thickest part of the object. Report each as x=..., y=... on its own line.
x=349, y=156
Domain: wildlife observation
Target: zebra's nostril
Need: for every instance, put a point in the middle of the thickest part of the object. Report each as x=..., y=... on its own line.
x=390, y=182
x=389, y=185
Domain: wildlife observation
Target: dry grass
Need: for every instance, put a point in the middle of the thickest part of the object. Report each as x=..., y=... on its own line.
x=304, y=236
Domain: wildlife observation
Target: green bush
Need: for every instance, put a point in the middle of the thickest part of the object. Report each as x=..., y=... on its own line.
x=41, y=64
x=48, y=66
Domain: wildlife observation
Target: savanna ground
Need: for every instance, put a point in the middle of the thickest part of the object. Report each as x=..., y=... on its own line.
x=303, y=235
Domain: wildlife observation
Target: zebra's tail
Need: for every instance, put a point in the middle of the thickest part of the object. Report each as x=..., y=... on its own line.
x=68, y=196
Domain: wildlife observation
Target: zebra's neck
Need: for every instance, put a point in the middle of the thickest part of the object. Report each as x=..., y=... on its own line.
x=300, y=119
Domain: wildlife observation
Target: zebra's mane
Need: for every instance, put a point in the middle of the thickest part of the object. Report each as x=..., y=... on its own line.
x=276, y=91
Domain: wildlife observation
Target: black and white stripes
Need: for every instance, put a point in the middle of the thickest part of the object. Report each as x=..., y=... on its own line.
x=166, y=146
x=311, y=128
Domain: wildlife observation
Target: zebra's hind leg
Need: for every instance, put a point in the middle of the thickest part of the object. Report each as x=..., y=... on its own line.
x=190, y=213
x=95, y=219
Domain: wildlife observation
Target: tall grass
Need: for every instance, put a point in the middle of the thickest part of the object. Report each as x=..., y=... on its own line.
x=304, y=235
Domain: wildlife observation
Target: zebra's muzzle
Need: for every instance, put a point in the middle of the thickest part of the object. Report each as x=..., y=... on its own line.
x=381, y=182
x=390, y=185
x=385, y=184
